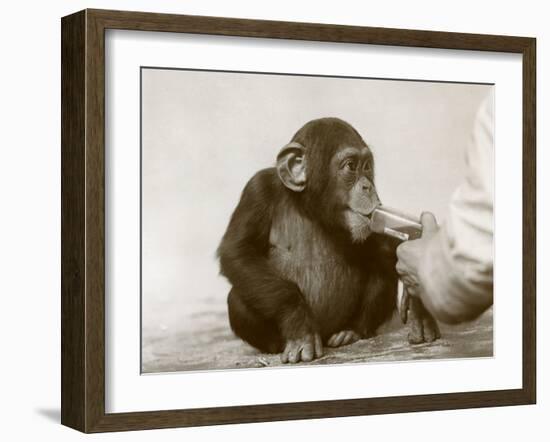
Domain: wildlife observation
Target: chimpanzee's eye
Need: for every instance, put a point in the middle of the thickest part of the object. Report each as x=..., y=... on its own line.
x=350, y=165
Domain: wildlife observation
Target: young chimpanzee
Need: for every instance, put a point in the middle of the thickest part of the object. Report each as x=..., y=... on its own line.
x=305, y=269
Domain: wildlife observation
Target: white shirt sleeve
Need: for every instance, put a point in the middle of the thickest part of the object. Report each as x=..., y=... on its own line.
x=456, y=273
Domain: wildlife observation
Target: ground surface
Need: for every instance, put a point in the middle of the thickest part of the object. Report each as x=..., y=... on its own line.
x=205, y=341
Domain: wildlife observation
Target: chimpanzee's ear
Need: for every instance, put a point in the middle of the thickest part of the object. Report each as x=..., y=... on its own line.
x=291, y=166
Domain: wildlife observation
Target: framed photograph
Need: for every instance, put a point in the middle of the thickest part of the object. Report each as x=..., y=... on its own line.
x=269, y=220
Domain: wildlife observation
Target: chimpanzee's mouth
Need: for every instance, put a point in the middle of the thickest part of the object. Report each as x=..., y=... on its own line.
x=366, y=212
x=359, y=224
x=365, y=217
x=362, y=214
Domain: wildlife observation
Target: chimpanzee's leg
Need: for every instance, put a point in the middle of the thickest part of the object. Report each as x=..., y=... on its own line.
x=251, y=327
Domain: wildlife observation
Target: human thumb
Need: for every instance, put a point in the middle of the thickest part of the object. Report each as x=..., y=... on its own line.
x=429, y=224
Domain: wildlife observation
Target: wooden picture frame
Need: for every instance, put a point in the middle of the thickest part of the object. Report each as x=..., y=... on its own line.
x=83, y=219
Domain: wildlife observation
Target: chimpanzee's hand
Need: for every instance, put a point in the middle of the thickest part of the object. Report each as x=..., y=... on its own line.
x=303, y=349
x=422, y=326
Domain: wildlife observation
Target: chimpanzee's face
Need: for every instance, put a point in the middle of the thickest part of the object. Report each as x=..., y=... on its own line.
x=330, y=165
x=352, y=186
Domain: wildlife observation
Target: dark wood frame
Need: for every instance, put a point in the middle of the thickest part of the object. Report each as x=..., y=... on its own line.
x=83, y=217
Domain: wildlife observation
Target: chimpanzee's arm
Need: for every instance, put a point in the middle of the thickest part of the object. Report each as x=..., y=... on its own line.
x=379, y=299
x=244, y=261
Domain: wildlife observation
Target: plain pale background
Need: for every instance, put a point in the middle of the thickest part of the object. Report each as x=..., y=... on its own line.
x=204, y=134
x=30, y=170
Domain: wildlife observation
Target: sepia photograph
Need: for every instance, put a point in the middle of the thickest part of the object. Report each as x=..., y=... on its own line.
x=293, y=219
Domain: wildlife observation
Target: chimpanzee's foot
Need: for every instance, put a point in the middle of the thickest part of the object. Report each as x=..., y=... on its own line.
x=344, y=337
x=303, y=349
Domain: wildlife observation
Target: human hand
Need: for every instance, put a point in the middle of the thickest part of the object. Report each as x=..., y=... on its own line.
x=410, y=253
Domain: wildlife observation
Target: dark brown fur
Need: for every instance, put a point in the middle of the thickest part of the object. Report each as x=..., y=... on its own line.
x=291, y=259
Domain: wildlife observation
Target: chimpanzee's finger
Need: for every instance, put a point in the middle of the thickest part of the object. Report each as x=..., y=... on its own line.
x=333, y=340
x=284, y=354
x=284, y=357
x=350, y=337
x=431, y=329
x=339, y=339
x=404, y=306
x=294, y=354
x=308, y=351
x=318, y=346
x=289, y=352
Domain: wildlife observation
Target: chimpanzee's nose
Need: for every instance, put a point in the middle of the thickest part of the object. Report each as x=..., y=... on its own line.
x=366, y=184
